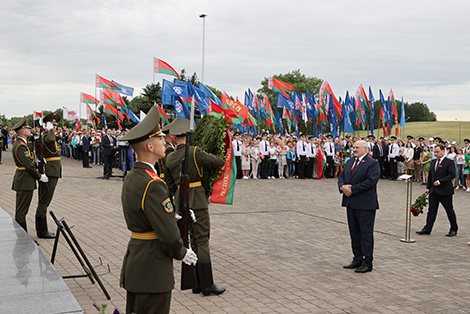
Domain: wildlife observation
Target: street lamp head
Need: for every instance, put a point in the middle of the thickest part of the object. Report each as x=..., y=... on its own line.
x=203, y=15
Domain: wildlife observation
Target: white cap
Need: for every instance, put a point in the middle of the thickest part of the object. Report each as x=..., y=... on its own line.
x=431, y=138
x=454, y=142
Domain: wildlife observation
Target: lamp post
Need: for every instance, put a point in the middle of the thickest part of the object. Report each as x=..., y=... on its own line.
x=203, y=16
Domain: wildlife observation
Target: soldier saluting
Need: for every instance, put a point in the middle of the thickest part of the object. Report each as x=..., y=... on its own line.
x=53, y=170
x=26, y=174
x=147, y=270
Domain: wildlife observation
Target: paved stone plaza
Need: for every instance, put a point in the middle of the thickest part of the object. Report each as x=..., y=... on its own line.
x=279, y=249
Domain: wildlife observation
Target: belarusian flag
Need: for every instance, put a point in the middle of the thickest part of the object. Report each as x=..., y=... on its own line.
x=91, y=115
x=163, y=116
x=104, y=83
x=361, y=93
x=326, y=90
x=112, y=98
x=160, y=66
x=109, y=109
x=88, y=99
x=224, y=187
x=37, y=115
x=280, y=86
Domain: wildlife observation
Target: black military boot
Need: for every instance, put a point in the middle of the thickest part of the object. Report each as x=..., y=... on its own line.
x=207, y=281
x=41, y=228
x=197, y=289
x=23, y=225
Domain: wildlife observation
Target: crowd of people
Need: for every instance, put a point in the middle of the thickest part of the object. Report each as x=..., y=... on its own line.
x=271, y=156
x=289, y=157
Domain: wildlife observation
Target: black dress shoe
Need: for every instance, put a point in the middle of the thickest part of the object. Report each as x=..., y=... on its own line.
x=353, y=265
x=363, y=269
x=423, y=232
x=451, y=233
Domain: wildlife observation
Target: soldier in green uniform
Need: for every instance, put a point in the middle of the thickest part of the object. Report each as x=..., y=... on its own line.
x=53, y=170
x=147, y=270
x=26, y=174
x=198, y=161
x=169, y=147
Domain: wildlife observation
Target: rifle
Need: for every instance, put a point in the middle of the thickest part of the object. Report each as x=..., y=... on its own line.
x=39, y=150
x=188, y=274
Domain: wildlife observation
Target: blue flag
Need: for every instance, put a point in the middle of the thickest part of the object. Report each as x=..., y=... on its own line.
x=283, y=101
x=278, y=120
x=125, y=90
x=132, y=116
x=402, y=118
x=254, y=131
x=181, y=110
x=209, y=95
x=332, y=116
x=371, y=99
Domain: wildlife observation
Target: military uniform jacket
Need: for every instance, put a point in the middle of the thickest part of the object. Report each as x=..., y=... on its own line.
x=51, y=155
x=148, y=264
x=198, y=161
x=26, y=172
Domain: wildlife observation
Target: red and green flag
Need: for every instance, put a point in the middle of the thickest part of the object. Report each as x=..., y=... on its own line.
x=361, y=93
x=111, y=97
x=101, y=82
x=88, y=99
x=326, y=90
x=163, y=116
x=224, y=187
x=280, y=87
x=92, y=116
x=160, y=66
x=37, y=115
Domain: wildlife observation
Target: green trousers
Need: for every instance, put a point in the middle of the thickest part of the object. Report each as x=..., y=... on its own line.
x=46, y=192
x=23, y=200
x=201, y=234
x=148, y=303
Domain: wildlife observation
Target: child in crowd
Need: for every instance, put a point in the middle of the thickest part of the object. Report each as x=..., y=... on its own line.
x=337, y=163
x=291, y=159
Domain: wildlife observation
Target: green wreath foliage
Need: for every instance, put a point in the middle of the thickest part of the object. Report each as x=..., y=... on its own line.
x=209, y=135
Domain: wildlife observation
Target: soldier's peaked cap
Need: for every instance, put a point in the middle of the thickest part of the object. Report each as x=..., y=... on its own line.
x=52, y=117
x=22, y=124
x=147, y=128
x=179, y=127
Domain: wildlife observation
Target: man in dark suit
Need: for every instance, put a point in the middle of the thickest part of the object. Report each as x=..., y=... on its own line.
x=358, y=183
x=5, y=138
x=86, y=149
x=108, y=143
x=440, y=190
x=378, y=153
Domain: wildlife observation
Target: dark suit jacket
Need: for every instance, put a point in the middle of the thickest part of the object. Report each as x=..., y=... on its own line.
x=106, y=144
x=86, y=144
x=364, y=184
x=444, y=174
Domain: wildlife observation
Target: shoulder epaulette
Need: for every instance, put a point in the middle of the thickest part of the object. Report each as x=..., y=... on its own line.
x=153, y=175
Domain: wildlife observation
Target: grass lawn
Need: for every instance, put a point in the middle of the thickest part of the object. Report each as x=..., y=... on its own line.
x=447, y=130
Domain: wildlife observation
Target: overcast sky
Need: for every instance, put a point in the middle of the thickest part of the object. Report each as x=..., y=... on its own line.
x=50, y=50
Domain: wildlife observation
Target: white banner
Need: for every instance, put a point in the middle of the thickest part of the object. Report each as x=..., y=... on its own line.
x=70, y=115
